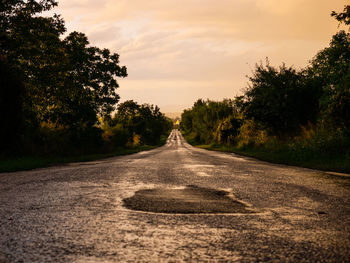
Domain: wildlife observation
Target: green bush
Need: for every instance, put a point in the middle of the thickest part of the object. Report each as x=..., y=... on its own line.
x=322, y=141
x=251, y=134
x=120, y=136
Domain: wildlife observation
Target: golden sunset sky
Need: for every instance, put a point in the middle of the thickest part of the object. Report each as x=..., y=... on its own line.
x=177, y=51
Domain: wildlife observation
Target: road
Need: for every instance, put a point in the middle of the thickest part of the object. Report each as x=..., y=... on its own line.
x=76, y=212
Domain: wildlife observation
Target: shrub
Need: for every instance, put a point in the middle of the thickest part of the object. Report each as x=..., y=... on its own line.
x=322, y=141
x=120, y=136
x=251, y=135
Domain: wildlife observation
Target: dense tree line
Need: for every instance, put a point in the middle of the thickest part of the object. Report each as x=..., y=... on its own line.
x=209, y=121
x=304, y=108
x=54, y=86
x=136, y=124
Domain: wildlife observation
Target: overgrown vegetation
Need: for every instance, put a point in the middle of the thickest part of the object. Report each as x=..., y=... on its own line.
x=58, y=92
x=299, y=117
x=135, y=124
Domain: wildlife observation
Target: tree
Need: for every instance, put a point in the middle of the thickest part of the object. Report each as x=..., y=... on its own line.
x=228, y=130
x=331, y=68
x=343, y=17
x=89, y=86
x=186, y=121
x=143, y=121
x=280, y=99
x=67, y=82
x=31, y=46
x=203, y=119
x=11, y=95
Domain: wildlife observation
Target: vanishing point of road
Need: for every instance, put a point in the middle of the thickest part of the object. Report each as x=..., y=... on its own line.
x=77, y=212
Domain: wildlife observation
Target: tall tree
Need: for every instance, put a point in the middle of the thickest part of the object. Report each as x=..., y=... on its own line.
x=30, y=44
x=89, y=85
x=11, y=95
x=67, y=82
x=280, y=99
x=331, y=68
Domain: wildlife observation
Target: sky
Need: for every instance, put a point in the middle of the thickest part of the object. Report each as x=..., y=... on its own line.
x=177, y=51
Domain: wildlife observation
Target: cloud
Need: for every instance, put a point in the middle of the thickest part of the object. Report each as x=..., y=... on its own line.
x=185, y=49
x=251, y=19
x=248, y=19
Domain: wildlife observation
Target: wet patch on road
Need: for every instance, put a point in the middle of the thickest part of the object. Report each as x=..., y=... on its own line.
x=188, y=200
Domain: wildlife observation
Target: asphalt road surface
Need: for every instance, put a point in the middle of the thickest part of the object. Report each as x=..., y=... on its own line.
x=76, y=212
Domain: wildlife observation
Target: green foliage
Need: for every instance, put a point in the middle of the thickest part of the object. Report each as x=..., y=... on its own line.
x=142, y=123
x=343, y=17
x=203, y=119
x=319, y=140
x=120, y=136
x=30, y=45
x=66, y=86
x=281, y=100
x=90, y=82
x=331, y=68
x=251, y=134
x=65, y=83
x=285, y=115
x=49, y=140
x=31, y=162
x=227, y=130
x=11, y=95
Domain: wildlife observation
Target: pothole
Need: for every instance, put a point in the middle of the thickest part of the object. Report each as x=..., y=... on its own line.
x=189, y=200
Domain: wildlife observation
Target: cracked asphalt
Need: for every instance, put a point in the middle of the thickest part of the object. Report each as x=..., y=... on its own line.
x=75, y=212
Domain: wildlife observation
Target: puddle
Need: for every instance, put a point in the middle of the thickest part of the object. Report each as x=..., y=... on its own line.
x=188, y=200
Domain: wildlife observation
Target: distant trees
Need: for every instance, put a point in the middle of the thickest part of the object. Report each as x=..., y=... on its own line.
x=208, y=120
x=138, y=124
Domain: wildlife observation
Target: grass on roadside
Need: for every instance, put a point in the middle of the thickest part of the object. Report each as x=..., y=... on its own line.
x=32, y=162
x=286, y=156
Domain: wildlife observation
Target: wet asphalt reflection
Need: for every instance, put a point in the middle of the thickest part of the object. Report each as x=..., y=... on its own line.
x=80, y=212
